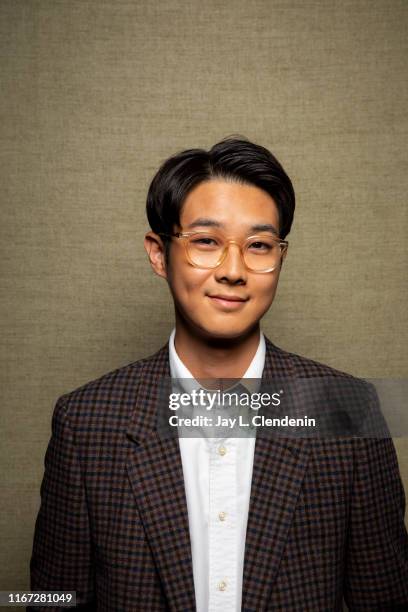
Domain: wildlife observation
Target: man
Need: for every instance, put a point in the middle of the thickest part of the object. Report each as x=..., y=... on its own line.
x=132, y=520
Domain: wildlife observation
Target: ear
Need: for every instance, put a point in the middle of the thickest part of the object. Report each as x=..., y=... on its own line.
x=154, y=247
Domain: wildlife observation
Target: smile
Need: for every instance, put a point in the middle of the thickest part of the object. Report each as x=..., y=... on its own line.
x=228, y=302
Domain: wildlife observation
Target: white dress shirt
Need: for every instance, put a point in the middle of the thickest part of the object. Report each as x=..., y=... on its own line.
x=217, y=478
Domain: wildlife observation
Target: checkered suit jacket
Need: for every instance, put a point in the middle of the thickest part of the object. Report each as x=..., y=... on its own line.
x=326, y=517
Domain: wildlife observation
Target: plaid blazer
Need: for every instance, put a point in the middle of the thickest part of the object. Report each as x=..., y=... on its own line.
x=326, y=517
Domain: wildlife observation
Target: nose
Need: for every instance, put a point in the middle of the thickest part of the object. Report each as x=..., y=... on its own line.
x=232, y=269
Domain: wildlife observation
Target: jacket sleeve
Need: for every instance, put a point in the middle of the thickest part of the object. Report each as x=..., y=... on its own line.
x=376, y=573
x=62, y=553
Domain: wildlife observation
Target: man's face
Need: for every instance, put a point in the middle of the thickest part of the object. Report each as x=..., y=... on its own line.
x=198, y=294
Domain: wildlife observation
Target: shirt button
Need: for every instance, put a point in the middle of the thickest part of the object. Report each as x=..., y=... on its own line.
x=222, y=585
x=222, y=450
x=222, y=516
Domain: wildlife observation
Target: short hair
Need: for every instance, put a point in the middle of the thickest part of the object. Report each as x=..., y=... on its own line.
x=233, y=159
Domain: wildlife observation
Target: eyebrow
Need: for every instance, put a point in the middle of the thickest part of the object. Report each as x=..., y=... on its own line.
x=258, y=227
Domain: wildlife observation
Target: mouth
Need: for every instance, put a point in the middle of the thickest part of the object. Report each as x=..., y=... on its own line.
x=228, y=302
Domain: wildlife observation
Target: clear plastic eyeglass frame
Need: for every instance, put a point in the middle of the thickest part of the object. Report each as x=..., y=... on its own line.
x=184, y=237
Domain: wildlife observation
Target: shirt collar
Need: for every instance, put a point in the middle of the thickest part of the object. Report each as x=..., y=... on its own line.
x=180, y=371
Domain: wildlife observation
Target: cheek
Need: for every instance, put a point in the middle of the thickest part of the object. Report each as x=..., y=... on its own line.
x=266, y=288
x=196, y=280
x=187, y=281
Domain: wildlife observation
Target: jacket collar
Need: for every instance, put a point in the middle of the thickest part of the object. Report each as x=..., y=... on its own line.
x=155, y=372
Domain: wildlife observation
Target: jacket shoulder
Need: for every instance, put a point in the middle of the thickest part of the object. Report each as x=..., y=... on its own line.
x=116, y=390
x=304, y=367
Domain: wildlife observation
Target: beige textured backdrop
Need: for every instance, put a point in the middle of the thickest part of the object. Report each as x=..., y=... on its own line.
x=94, y=94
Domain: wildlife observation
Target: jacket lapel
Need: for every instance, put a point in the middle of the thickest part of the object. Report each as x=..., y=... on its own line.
x=156, y=475
x=278, y=471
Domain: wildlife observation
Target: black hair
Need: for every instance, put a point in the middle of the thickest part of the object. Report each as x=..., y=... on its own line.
x=234, y=159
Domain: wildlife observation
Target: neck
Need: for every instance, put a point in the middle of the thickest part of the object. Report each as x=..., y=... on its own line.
x=213, y=358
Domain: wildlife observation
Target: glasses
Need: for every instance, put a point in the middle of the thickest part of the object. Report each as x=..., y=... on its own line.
x=260, y=253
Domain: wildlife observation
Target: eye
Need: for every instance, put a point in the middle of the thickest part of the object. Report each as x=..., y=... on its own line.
x=204, y=241
x=263, y=247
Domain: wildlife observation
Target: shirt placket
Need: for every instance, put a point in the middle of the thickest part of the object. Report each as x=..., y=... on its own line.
x=222, y=525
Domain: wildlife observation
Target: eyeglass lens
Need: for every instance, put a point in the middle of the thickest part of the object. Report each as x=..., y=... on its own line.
x=260, y=252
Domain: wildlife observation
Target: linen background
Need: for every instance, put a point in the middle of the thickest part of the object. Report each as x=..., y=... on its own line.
x=95, y=95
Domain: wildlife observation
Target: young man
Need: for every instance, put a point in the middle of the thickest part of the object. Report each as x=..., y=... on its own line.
x=132, y=520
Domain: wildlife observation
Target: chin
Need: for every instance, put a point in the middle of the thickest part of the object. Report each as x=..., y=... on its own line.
x=225, y=332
